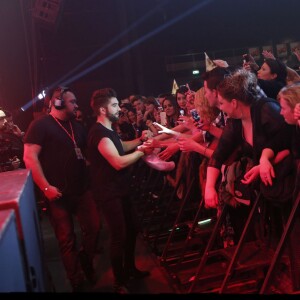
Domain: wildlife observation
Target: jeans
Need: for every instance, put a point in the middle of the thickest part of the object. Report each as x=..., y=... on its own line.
x=61, y=217
x=121, y=220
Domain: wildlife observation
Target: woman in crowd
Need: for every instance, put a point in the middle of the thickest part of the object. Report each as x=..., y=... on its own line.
x=151, y=114
x=272, y=75
x=254, y=126
x=289, y=98
x=208, y=115
x=181, y=98
x=151, y=106
x=171, y=108
x=198, y=141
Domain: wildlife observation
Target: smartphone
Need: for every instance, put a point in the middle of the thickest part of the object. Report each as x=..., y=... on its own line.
x=195, y=115
x=163, y=118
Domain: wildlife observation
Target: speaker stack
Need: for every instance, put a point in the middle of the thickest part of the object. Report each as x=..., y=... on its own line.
x=22, y=263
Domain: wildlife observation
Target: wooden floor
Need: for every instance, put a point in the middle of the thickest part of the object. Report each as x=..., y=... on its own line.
x=156, y=283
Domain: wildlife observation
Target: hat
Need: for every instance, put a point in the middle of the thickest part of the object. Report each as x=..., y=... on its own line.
x=212, y=64
x=209, y=64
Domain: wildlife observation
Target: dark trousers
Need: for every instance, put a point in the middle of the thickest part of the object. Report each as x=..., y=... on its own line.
x=61, y=217
x=121, y=220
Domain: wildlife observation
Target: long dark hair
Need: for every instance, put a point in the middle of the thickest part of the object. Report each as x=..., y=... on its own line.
x=171, y=120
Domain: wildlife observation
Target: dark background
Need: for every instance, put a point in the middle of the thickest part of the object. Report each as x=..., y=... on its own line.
x=35, y=54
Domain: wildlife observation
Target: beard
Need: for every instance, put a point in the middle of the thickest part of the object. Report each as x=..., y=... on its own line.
x=112, y=117
x=71, y=114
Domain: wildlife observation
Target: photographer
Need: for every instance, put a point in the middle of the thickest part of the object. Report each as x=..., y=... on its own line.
x=10, y=126
x=11, y=146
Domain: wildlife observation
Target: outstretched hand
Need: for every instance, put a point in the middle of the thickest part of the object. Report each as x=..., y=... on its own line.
x=165, y=129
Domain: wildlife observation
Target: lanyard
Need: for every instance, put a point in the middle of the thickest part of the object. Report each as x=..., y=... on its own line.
x=70, y=136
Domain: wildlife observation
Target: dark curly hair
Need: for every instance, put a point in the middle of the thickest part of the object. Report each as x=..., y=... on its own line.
x=100, y=98
x=240, y=85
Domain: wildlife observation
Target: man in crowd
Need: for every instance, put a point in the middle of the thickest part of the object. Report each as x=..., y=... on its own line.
x=54, y=152
x=111, y=185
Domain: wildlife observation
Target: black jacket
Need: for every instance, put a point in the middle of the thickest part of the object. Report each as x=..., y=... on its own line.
x=269, y=131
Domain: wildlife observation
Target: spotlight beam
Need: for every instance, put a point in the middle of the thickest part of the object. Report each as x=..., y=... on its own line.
x=126, y=48
x=110, y=43
x=138, y=41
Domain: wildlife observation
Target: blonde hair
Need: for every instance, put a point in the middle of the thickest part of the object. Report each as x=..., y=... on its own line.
x=291, y=94
x=203, y=108
x=292, y=76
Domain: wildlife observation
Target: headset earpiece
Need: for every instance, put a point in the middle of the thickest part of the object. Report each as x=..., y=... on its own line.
x=59, y=102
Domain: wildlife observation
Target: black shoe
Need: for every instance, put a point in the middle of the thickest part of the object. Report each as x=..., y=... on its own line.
x=120, y=288
x=87, y=267
x=137, y=274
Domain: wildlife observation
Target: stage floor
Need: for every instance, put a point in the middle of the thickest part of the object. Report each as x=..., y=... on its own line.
x=156, y=283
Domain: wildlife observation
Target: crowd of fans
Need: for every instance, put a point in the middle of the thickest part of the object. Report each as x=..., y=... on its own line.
x=232, y=114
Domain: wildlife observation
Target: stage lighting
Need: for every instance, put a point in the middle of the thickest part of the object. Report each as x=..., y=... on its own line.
x=41, y=95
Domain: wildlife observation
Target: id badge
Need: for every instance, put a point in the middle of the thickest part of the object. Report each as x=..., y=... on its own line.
x=78, y=153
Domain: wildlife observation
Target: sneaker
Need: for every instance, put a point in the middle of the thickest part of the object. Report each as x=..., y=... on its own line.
x=137, y=274
x=87, y=267
x=120, y=288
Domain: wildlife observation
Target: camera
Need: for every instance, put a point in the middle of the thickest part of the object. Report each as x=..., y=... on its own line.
x=195, y=115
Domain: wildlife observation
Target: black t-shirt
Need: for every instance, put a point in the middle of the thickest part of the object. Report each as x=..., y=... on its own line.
x=106, y=180
x=58, y=158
